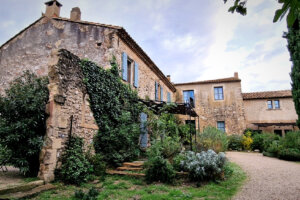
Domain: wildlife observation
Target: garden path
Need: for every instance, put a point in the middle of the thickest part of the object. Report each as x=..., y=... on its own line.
x=10, y=177
x=268, y=178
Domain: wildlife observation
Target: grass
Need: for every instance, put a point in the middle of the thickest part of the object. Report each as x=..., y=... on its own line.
x=121, y=187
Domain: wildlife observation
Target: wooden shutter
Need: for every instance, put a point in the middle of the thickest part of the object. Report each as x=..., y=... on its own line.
x=124, y=66
x=136, y=74
x=156, y=91
x=161, y=94
x=169, y=97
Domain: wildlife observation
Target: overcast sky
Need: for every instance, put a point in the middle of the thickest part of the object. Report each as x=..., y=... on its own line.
x=189, y=39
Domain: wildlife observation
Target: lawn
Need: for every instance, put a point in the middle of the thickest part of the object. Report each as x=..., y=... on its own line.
x=120, y=187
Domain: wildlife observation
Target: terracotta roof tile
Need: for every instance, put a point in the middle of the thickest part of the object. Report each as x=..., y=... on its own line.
x=267, y=94
x=230, y=79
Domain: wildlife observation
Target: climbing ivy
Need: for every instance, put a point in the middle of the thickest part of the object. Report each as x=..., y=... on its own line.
x=116, y=110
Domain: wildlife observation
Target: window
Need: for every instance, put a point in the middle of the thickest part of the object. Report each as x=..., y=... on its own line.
x=130, y=70
x=158, y=91
x=276, y=104
x=273, y=104
x=129, y=66
x=270, y=104
x=169, y=97
x=278, y=132
x=188, y=97
x=218, y=93
x=221, y=125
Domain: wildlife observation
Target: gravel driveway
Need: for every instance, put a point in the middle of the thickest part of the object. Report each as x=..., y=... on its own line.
x=268, y=178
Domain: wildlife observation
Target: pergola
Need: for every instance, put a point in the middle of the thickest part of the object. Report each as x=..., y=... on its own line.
x=178, y=108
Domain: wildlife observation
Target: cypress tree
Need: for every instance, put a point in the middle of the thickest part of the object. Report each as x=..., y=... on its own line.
x=293, y=38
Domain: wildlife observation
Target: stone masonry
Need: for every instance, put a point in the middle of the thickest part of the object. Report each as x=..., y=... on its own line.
x=68, y=110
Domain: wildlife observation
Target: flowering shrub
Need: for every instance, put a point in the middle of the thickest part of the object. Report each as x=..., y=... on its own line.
x=247, y=140
x=204, y=166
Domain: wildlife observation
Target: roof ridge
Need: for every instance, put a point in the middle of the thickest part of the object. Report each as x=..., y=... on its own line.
x=266, y=91
x=89, y=23
x=228, y=79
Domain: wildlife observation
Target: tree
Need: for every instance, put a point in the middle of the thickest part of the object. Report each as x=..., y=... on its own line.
x=23, y=121
x=289, y=6
x=292, y=7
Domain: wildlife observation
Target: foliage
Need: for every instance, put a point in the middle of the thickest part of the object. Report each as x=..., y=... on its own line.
x=292, y=154
x=92, y=194
x=274, y=148
x=116, y=110
x=258, y=142
x=212, y=138
x=228, y=170
x=238, y=6
x=204, y=166
x=177, y=160
x=167, y=148
x=289, y=6
x=293, y=39
x=98, y=164
x=247, y=140
x=23, y=121
x=291, y=140
x=75, y=167
x=235, y=142
x=159, y=169
x=166, y=124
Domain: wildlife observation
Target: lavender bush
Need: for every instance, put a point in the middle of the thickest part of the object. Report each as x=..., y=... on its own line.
x=204, y=166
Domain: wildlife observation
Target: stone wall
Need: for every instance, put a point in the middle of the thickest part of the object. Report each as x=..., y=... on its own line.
x=31, y=49
x=68, y=109
x=256, y=111
x=230, y=110
x=147, y=77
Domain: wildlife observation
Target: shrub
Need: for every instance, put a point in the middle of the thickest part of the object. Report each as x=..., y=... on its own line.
x=159, y=169
x=98, y=164
x=263, y=141
x=292, y=154
x=204, y=166
x=268, y=138
x=92, y=194
x=75, y=167
x=247, y=140
x=177, y=160
x=212, y=138
x=273, y=149
x=258, y=142
x=291, y=140
x=116, y=110
x=235, y=142
x=23, y=121
x=167, y=148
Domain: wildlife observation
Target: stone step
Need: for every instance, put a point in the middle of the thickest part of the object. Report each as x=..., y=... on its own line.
x=20, y=187
x=115, y=172
x=30, y=193
x=129, y=168
x=133, y=164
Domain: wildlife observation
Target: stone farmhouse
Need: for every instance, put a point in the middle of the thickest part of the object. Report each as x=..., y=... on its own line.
x=53, y=46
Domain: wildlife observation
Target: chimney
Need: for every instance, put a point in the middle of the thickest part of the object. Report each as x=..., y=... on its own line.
x=169, y=77
x=75, y=14
x=52, y=8
x=236, y=75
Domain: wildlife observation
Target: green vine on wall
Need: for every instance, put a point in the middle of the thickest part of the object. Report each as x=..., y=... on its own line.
x=116, y=110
